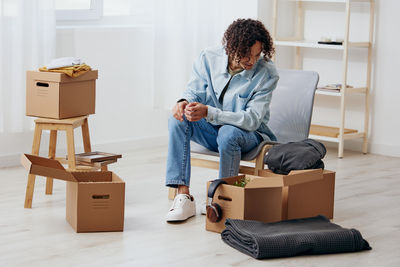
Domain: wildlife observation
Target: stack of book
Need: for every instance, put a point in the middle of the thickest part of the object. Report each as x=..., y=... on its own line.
x=96, y=158
x=333, y=87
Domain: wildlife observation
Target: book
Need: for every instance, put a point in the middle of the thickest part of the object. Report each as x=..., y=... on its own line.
x=96, y=156
x=330, y=42
x=333, y=87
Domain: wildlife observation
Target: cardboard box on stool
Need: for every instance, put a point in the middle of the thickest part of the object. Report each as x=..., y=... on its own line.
x=95, y=200
x=271, y=197
x=58, y=96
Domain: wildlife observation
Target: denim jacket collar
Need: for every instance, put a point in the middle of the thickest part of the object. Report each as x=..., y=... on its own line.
x=248, y=74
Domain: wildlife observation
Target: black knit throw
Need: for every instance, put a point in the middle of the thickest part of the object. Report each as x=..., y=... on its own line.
x=315, y=235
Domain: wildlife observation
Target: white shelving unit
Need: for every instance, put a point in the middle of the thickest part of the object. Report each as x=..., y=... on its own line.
x=328, y=133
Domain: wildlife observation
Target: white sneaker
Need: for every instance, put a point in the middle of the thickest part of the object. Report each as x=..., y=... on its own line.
x=183, y=208
x=203, y=208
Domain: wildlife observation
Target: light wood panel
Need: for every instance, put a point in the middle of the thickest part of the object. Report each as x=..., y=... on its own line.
x=367, y=198
x=328, y=131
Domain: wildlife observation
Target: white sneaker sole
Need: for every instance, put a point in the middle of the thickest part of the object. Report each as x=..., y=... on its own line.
x=178, y=219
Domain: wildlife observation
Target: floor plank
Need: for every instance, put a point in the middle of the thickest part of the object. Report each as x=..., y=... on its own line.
x=367, y=198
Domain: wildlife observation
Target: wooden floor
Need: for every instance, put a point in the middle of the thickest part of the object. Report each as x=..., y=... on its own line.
x=367, y=198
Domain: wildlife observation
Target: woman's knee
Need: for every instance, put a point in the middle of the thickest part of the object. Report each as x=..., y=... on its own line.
x=229, y=137
x=174, y=124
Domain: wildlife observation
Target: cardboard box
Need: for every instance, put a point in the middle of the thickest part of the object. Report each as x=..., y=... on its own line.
x=311, y=198
x=271, y=197
x=58, y=96
x=95, y=200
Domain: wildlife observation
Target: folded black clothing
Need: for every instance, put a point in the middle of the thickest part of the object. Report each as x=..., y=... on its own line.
x=314, y=235
x=301, y=155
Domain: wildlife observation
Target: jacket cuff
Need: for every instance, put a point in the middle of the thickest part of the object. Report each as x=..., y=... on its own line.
x=181, y=100
x=211, y=114
x=189, y=98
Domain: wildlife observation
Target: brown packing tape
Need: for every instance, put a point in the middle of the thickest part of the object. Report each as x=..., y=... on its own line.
x=45, y=167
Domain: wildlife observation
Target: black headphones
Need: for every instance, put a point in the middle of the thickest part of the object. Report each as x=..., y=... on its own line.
x=214, y=211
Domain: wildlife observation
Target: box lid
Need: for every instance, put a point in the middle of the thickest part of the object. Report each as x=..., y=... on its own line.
x=276, y=180
x=263, y=182
x=61, y=77
x=46, y=167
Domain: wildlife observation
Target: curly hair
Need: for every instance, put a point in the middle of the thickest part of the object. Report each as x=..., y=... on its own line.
x=242, y=34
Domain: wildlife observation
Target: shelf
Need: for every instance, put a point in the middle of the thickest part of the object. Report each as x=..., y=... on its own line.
x=323, y=138
x=309, y=44
x=335, y=139
x=328, y=131
x=359, y=44
x=355, y=90
x=331, y=134
x=301, y=43
x=326, y=92
x=315, y=44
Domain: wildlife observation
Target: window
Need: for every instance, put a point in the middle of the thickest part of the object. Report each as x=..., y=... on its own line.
x=79, y=9
x=104, y=12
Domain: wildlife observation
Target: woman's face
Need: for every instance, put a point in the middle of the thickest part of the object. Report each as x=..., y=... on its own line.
x=248, y=62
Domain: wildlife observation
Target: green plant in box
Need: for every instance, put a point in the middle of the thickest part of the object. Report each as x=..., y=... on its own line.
x=242, y=182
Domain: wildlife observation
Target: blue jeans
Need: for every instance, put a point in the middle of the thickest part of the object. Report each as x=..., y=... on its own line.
x=228, y=140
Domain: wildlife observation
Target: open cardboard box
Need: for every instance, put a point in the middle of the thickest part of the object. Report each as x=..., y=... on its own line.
x=273, y=197
x=309, y=199
x=95, y=200
x=58, y=96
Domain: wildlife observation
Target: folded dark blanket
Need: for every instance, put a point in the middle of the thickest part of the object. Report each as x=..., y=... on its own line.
x=315, y=235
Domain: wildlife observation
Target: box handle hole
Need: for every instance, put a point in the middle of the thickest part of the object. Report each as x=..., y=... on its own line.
x=101, y=196
x=42, y=84
x=224, y=198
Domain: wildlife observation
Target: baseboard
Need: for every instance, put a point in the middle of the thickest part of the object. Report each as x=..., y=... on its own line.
x=9, y=160
x=385, y=150
x=378, y=149
x=121, y=146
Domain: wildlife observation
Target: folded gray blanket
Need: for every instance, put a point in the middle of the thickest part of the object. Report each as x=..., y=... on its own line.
x=315, y=235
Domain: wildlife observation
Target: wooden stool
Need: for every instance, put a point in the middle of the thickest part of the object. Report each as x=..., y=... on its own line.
x=67, y=125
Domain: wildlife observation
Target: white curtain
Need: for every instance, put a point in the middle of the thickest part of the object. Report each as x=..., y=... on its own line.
x=27, y=41
x=182, y=29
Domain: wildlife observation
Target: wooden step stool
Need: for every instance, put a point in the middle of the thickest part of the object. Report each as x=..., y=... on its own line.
x=54, y=125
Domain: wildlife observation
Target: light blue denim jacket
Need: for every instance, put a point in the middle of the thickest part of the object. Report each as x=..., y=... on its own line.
x=247, y=99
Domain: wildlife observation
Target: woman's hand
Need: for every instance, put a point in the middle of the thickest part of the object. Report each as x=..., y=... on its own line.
x=195, y=111
x=179, y=109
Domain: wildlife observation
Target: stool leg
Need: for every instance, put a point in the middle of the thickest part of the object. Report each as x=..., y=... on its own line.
x=31, y=177
x=52, y=155
x=86, y=137
x=104, y=168
x=71, y=148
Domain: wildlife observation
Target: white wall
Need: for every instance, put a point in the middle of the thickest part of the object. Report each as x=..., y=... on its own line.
x=126, y=117
x=328, y=19
x=124, y=100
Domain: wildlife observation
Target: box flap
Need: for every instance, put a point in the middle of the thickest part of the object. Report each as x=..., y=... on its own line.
x=302, y=176
x=45, y=167
x=92, y=176
x=264, y=182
